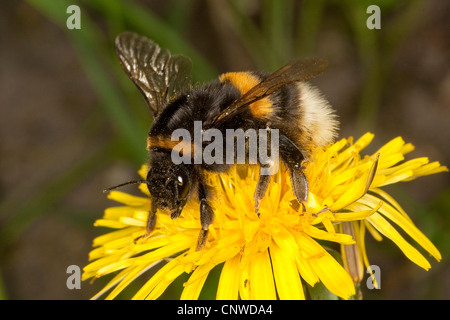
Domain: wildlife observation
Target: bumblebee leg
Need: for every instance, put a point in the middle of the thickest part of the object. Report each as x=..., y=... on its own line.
x=293, y=157
x=299, y=184
x=177, y=212
x=260, y=192
x=266, y=168
x=151, y=222
x=206, y=216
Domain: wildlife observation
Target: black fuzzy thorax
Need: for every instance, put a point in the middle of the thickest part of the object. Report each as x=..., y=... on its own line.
x=206, y=102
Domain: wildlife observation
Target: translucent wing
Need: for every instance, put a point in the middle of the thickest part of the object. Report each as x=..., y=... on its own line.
x=157, y=74
x=297, y=70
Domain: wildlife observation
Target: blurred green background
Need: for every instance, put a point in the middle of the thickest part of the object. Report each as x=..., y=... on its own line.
x=72, y=123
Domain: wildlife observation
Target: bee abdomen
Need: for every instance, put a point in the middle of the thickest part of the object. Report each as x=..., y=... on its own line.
x=317, y=119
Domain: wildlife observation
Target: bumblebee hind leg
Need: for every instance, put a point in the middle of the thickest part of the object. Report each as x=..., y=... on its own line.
x=299, y=184
x=292, y=156
x=261, y=188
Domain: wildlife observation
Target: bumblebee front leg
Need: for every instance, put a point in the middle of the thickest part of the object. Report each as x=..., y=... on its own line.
x=206, y=216
x=151, y=222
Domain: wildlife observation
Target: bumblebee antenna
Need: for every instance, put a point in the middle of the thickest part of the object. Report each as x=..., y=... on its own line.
x=124, y=184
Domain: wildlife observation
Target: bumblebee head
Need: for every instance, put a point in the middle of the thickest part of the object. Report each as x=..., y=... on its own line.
x=169, y=188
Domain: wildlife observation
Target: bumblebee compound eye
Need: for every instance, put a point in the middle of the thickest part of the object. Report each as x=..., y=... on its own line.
x=183, y=184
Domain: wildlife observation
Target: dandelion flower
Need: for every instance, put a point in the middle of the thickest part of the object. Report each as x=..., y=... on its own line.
x=267, y=257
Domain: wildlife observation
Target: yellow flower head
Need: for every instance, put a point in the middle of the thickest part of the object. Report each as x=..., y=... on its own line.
x=268, y=257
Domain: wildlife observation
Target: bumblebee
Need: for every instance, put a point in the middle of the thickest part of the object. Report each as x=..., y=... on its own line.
x=236, y=100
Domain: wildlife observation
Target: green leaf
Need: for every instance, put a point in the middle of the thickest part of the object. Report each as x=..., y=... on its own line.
x=320, y=292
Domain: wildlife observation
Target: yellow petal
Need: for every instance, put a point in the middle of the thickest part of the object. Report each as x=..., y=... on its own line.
x=306, y=271
x=131, y=274
x=375, y=234
x=194, y=285
x=110, y=284
x=333, y=276
x=396, y=177
x=114, y=235
x=287, y=279
x=109, y=224
x=327, y=269
x=405, y=224
x=128, y=199
x=408, y=165
x=353, y=192
x=323, y=235
x=389, y=160
x=385, y=228
x=244, y=281
x=262, y=286
x=287, y=242
x=407, y=148
x=103, y=262
x=143, y=171
x=228, y=288
x=431, y=168
x=393, y=146
x=356, y=213
x=157, y=284
x=163, y=252
x=132, y=222
x=115, y=213
x=392, y=202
